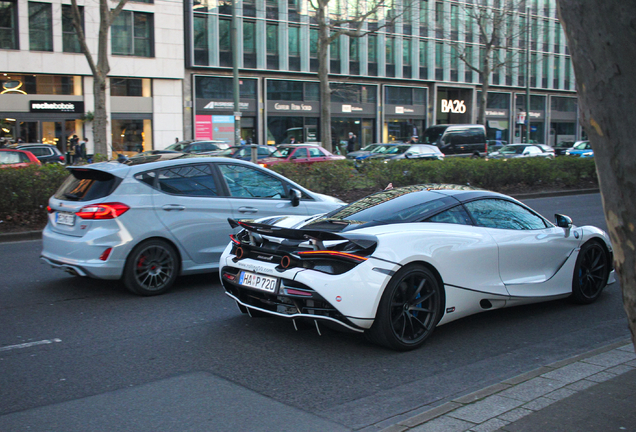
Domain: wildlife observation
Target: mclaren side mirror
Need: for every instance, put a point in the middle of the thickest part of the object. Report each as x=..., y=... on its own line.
x=295, y=197
x=563, y=221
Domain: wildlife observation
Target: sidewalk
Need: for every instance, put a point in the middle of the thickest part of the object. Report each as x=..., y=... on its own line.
x=592, y=392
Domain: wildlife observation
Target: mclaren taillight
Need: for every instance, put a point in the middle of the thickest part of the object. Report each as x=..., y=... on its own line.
x=102, y=211
x=331, y=254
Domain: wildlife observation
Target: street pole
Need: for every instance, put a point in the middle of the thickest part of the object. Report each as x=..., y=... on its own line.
x=235, y=76
x=527, y=74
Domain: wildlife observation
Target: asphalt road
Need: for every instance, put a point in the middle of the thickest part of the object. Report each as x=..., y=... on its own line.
x=79, y=354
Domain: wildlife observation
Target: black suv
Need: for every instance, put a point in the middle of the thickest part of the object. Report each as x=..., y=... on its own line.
x=458, y=139
x=46, y=153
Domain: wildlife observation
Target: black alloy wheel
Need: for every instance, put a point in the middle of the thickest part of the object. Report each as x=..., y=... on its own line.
x=409, y=310
x=151, y=268
x=590, y=273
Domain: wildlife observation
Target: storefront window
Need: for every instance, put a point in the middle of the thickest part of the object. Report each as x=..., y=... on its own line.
x=41, y=84
x=355, y=93
x=221, y=88
x=131, y=136
x=128, y=86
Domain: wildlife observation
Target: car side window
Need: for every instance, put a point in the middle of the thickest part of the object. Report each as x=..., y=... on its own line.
x=190, y=180
x=315, y=152
x=498, y=213
x=300, y=153
x=247, y=182
x=455, y=215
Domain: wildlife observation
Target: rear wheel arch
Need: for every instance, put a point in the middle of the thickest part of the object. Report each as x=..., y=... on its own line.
x=161, y=266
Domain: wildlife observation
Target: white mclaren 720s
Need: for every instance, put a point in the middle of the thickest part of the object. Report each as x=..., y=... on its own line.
x=398, y=263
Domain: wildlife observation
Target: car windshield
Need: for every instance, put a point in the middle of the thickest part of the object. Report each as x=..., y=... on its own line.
x=229, y=152
x=582, y=146
x=282, y=152
x=398, y=149
x=177, y=146
x=512, y=149
x=370, y=147
x=432, y=134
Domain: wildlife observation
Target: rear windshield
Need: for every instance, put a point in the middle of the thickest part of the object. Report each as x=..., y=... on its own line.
x=87, y=185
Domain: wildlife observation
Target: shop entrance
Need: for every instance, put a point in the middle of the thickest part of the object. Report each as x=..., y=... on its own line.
x=363, y=129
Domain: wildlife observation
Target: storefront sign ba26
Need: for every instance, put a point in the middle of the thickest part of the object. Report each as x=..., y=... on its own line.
x=453, y=106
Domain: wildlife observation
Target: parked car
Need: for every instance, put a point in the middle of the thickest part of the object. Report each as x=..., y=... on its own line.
x=245, y=152
x=581, y=149
x=513, y=151
x=14, y=158
x=198, y=146
x=561, y=147
x=408, y=151
x=148, y=222
x=369, y=150
x=460, y=139
x=400, y=262
x=299, y=153
x=46, y=153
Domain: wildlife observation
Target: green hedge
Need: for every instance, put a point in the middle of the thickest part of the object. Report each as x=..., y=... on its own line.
x=24, y=192
x=339, y=177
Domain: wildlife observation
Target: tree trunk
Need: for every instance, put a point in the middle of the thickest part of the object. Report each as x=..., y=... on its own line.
x=485, y=85
x=100, y=121
x=323, y=75
x=601, y=35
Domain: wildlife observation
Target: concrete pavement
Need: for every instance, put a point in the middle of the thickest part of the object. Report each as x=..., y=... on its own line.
x=592, y=392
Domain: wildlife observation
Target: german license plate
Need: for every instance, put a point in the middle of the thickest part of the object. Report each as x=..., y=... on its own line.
x=258, y=281
x=65, y=218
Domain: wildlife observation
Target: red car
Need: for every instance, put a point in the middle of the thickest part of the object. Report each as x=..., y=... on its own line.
x=12, y=158
x=303, y=153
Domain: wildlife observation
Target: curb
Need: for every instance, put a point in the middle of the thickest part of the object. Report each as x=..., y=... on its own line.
x=549, y=194
x=455, y=404
x=20, y=236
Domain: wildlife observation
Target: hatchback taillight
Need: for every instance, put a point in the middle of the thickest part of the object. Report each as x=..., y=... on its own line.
x=102, y=211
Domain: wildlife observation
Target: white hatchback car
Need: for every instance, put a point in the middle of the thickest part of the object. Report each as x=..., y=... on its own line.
x=156, y=217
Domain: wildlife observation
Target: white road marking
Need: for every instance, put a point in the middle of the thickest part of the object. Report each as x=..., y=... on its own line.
x=30, y=344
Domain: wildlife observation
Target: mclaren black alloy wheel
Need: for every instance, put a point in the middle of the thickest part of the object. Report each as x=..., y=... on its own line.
x=590, y=273
x=151, y=268
x=409, y=310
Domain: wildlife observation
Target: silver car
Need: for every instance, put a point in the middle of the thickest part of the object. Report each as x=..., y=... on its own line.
x=156, y=217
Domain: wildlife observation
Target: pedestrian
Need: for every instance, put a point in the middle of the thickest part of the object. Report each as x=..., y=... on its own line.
x=351, y=143
x=80, y=151
x=292, y=140
x=414, y=140
x=176, y=140
x=72, y=147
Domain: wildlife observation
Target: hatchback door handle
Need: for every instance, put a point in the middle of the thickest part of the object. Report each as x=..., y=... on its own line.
x=247, y=210
x=170, y=207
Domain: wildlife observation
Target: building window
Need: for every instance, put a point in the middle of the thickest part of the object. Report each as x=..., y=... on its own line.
x=406, y=50
x=284, y=90
x=132, y=34
x=225, y=43
x=40, y=27
x=70, y=42
x=8, y=25
x=201, y=48
x=272, y=39
x=138, y=87
x=249, y=44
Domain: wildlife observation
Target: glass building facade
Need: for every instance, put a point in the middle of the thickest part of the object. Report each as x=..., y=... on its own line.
x=392, y=83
